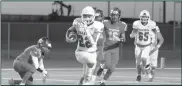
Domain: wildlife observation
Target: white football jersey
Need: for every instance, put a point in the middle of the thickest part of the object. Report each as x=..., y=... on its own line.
x=144, y=33
x=83, y=42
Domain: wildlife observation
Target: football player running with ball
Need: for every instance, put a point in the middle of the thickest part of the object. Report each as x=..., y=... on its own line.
x=115, y=34
x=143, y=32
x=87, y=32
x=30, y=60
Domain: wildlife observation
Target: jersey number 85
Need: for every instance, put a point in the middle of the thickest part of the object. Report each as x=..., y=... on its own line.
x=143, y=36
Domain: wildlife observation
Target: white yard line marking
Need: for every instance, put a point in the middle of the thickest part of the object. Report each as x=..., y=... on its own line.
x=6, y=69
x=121, y=82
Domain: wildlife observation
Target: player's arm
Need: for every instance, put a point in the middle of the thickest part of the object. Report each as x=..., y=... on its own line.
x=159, y=37
x=35, y=55
x=71, y=29
x=134, y=31
x=123, y=36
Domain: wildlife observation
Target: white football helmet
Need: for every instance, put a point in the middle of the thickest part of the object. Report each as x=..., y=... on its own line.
x=144, y=16
x=88, y=15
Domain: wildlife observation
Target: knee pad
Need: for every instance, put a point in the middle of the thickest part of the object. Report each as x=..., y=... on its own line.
x=90, y=65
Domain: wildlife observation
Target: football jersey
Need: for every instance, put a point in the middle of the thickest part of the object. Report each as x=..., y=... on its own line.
x=144, y=33
x=112, y=30
x=28, y=52
x=83, y=42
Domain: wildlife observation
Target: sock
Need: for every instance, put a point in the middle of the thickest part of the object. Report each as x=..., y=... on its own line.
x=17, y=82
x=139, y=70
x=108, y=74
x=93, y=78
x=100, y=70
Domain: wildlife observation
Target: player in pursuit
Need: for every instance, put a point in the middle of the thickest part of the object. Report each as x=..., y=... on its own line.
x=115, y=34
x=157, y=41
x=87, y=31
x=30, y=60
x=142, y=32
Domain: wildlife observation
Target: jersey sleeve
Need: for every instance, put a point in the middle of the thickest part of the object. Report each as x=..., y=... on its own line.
x=34, y=52
x=76, y=21
x=157, y=29
x=125, y=28
x=134, y=25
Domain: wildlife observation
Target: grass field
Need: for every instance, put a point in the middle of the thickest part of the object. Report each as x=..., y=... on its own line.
x=64, y=69
x=122, y=76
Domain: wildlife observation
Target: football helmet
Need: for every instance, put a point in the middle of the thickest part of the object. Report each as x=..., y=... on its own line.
x=144, y=16
x=99, y=15
x=115, y=14
x=44, y=42
x=88, y=15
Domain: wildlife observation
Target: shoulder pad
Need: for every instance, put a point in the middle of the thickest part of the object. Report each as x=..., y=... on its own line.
x=99, y=26
x=35, y=52
x=135, y=23
x=76, y=21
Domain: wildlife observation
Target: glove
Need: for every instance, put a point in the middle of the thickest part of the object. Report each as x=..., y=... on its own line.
x=45, y=75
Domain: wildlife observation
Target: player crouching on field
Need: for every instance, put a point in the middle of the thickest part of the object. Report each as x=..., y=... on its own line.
x=87, y=32
x=31, y=60
x=143, y=33
x=114, y=35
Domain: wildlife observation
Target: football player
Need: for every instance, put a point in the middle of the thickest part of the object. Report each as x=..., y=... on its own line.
x=30, y=61
x=142, y=32
x=88, y=32
x=157, y=41
x=115, y=34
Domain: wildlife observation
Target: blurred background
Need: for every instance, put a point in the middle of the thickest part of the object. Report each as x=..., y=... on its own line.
x=23, y=23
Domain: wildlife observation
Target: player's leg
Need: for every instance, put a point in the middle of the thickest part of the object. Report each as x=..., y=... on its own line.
x=17, y=67
x=146, y=59
x=24, y=69
x=153, y=61
x=114, y=60
x=79, y=57
x=91, y=65
x=100, y=62
x=138, y=62
x=84, y=74
x=30, y=70
x=107, y=65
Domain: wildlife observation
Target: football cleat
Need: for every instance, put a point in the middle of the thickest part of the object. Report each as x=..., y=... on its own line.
x=11, y=82
x=139, y=78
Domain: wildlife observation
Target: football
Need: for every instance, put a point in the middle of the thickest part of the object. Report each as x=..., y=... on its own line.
x=72, y=37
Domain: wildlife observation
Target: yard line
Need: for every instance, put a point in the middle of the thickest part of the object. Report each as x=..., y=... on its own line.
x=7, y=69
x=121, y=82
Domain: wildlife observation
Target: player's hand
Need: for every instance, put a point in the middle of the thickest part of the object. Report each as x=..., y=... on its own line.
x=153, y=50
x=132, y=35
x=72, y=37
x=45, y=75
